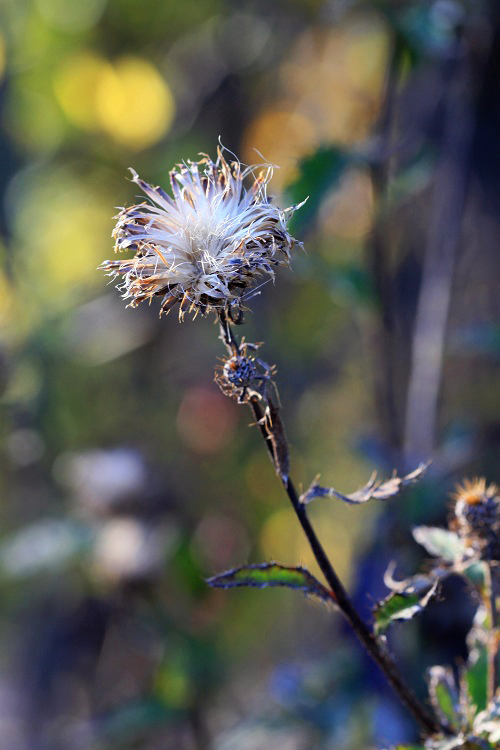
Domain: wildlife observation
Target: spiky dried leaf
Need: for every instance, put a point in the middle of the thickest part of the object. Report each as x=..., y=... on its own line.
x=373, y=489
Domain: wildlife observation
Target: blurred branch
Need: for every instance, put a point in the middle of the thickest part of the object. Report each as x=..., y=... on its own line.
x=449, y=196
x=377, y=255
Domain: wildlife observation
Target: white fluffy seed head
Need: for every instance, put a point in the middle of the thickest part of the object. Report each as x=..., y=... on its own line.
x=205, y=245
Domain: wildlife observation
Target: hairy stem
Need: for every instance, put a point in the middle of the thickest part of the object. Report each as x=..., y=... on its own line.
x=425, y=719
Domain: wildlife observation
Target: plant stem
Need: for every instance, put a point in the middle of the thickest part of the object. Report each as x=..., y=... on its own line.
x=493, y=640
x=367, y=638
x=364, y=635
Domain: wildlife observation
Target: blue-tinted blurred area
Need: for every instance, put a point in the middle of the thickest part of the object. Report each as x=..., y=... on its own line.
x=127, y=477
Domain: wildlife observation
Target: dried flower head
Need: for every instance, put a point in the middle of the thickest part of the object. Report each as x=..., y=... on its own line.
x=206, y=245
x=244, y=375
x=477, y=513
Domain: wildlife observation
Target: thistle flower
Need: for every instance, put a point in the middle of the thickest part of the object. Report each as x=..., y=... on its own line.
x=477, y=512
x=205, y=246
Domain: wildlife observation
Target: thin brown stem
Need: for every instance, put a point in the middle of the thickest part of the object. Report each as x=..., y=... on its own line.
x=425, y=719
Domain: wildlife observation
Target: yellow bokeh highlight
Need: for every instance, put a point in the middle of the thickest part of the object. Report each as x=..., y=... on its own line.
x=6, y=298
x=127, y=100
x=331, y=86
x=2, y=56
x=282, y=539
x=134, y=103
x=72, y=237
x=367, y=56
x=348, y=211
x=71, y=250
x=336, y=77
x=75, y=86
x=280, y=136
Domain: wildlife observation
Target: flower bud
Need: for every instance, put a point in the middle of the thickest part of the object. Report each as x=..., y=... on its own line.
x=477, y=512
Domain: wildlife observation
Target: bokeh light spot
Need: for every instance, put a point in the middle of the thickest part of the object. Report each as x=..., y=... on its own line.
x=2, y=56
x=134, y=103
x=282, y=539
x=72, y=224
x=76, y=84
x=33, y=120
x=206, y=420
x=367, y=52
x=282, y=137
x=71, y=16
x=347, y=212
x=6, y=298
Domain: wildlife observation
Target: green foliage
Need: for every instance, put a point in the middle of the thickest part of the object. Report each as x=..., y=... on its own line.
x=271, y=575
x=444, y=696
x=476, y=573
x=318, y=173
x=405, y=603
x=474, y=678
x=440, y=542
x=133, y=720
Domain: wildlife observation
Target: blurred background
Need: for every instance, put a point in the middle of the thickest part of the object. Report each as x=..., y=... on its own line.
x=127, y=477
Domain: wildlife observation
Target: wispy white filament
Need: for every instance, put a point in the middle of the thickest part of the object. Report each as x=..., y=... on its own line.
x=205, y=245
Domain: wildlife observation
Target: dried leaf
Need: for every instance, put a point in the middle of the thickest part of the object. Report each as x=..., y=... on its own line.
x=414, y=584
x=373, y=490
x=265, y=575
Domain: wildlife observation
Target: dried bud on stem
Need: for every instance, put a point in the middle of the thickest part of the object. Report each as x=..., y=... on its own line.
x=244, y=376
x=477, y=513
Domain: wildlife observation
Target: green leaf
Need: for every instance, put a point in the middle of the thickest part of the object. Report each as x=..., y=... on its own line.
x=444, y=696
x=269, y=575
x=317, y=174
x=476, y=572
x=440, y=542
x=405, y=603
x=352, y=285
x=475, y=678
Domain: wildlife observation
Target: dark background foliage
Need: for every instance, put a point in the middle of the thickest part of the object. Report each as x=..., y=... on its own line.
x=127, y=476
